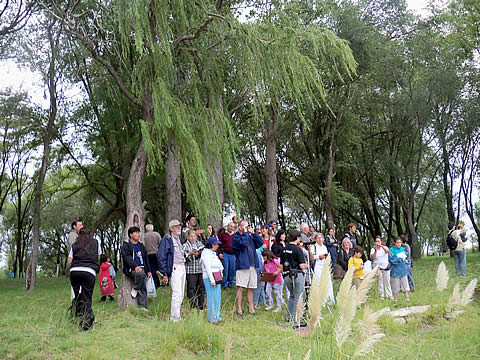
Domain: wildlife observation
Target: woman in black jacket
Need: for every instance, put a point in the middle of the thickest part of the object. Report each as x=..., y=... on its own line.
x=280, y=243
x=83, y=258
x=344, y=255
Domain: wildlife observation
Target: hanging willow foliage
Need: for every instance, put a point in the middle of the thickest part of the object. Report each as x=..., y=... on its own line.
x=184, y=51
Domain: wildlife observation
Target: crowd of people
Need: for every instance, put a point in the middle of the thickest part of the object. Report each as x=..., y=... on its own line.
x=265, y=262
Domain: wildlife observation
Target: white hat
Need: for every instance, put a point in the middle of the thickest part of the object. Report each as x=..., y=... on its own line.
x=174, y=223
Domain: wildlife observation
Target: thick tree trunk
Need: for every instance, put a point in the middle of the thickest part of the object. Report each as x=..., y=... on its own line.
x=31, y=277
x=215, y=175
x=173, y=185
x=271, y=165
x=135, y=216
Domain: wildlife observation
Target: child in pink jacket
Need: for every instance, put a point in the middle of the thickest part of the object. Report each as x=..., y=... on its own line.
x=272, y=265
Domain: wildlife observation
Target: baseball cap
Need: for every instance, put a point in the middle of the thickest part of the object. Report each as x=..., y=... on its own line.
x=173, y=223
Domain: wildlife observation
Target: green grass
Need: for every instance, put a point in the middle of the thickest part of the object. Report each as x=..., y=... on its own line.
x=36, y=326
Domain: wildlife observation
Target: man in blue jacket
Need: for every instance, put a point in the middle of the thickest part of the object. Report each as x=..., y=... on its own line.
x=171, y=263
x=244, y=243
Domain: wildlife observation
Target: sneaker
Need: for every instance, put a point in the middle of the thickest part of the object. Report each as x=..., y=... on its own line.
x=269, y=307
x=395, y=303
x=134, y=292
x=278, y=309
x=239, y=315
x=143, y=309
x=302, y=324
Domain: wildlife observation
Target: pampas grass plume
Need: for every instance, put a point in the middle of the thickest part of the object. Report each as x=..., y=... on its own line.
x=344, y=322
x=467, y=295
x=455, y=300
x=344, y=290
x=442, y=277
x=315, y=305
x=364, y=288
x=366, y=346
x=319, y=293
x=370, y=334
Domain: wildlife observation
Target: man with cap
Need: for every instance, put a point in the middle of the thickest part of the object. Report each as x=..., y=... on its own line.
x=171, y=264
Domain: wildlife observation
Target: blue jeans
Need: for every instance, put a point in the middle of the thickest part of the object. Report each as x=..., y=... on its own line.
x=411, y=283
x=214, y=297
x=296, y=286
x=228, y=270
x=460, y=262
x=259, y=292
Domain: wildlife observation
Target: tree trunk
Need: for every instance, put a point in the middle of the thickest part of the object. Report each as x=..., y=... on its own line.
x=135, y=216
x=447, y=186
x=31, y=277
x=271, y=165
x=173, y=185
x=215, y=175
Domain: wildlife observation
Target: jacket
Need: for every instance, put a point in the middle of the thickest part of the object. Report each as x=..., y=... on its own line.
x=165, y=255
x=105, y=280
x=129, y=264
x=210, y=264
x=399, y=266
x=343, y=258
x=240, y=250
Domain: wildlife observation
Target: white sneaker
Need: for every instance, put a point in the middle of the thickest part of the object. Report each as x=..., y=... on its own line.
x=269, y=307
x=278, y=309
x=134, y=292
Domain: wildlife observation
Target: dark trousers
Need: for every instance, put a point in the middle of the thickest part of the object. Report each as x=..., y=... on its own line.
x=195, y=290
x=139, y=285
x=83, y=283
x=152, y=259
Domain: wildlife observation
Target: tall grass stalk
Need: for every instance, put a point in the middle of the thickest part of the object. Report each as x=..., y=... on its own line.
x=366, y=284
x=370, y=334
x=467, y=295
x=344, y=322
x=319, y=293
x=344, y=290
x=442, y=277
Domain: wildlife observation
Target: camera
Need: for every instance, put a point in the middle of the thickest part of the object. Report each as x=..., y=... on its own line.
x=308, y=243
x=289, y=272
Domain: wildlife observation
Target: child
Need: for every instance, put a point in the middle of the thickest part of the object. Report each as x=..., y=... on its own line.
x=272, y=265
x=357, y=262
x=106, y=277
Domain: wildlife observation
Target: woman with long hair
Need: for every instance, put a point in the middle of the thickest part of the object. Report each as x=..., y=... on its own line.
x=83, y=258
x=399, y=270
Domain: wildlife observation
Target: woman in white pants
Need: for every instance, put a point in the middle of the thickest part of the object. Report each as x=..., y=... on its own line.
x=379, y=256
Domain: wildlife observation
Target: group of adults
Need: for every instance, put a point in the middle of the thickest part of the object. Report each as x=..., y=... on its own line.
x=207, y=262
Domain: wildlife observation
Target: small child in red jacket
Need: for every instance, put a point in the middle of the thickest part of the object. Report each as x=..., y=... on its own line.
x=106, y=278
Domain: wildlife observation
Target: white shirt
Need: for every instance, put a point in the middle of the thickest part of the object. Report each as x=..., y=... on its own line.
x=381, y=259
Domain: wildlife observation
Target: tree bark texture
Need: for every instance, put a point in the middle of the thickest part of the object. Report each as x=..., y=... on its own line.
x=271, y=165
x=173, y=185
x=135, y=216
x=31, y=276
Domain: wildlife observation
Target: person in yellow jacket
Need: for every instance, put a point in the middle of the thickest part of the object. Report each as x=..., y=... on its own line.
x=357, y=262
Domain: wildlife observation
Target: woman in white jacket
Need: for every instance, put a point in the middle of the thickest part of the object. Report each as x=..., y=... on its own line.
x=212, y=265
x=318, y=253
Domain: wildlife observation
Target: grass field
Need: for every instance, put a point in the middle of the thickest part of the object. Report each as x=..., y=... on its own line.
x=36, y=326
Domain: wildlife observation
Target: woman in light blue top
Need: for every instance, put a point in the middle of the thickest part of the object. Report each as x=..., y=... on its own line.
x=399, y=270
x=211, y=264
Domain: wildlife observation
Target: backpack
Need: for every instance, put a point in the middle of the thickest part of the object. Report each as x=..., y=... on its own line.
x=451, y=242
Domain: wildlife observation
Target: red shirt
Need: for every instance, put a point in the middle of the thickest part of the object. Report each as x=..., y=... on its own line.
x=226, y=240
